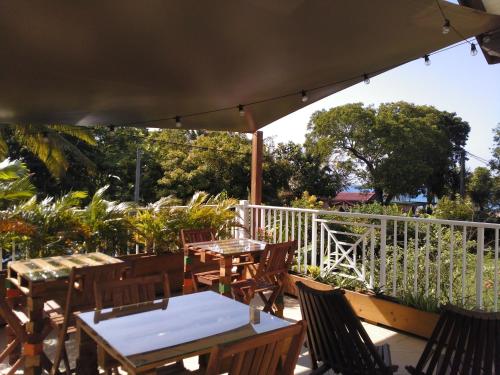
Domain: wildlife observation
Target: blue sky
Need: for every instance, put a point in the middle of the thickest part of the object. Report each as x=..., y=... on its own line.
x=455, y=81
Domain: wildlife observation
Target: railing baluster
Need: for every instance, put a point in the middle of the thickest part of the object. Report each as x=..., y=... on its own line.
x=329, y=249
x=13, y=250
x=286, y=225
x=415, y=260
x=383, y=244
x=306, y=235
x=372, y=258
x=495, y=286
x=314, y=240
x=293, y=225
x=275, y=226
x=479, y=269
x=263, y=223
x=299, y=238
x=427, y=250
x=269, y=223
x=322, y=247
x=252, y=226
x=395, y=259
x=464, y=262
x=405, y=255
x=452, y=250
x=438, y=262
x=363, y=259
x=281, y=226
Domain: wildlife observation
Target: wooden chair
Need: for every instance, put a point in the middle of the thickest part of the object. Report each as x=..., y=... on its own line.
x=463, y=342
x=80, y=297
x=274, y=263
x=129, y=291
x=16, y=330
x=206, y=279
x=336, y=336
x=260, y=354
x=117, y=293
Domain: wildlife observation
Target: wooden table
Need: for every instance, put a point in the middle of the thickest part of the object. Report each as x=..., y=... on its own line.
x=41, y=280
x=146, y=336
x=224, y=251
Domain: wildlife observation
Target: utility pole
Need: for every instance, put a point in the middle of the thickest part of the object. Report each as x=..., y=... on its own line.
x=462, y=172
x=137, y=175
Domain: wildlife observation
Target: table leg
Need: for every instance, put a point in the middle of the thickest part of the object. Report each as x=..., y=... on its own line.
x=280, y=305
x=33, y=349
x=187, y=286
x=86, y=363
x=226, y=265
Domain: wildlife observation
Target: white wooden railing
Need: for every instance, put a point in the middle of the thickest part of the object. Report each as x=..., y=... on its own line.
x=446, y=260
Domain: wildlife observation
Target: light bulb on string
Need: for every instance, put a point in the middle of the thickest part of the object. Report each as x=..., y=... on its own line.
x=305, y=98
x=178, y=122
x=241, y=110
x=427, y=60
x=473, y=49
x=366, y=79
x=446, y=26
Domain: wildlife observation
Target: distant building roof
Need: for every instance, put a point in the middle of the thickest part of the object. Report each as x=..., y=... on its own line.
x=354, y=197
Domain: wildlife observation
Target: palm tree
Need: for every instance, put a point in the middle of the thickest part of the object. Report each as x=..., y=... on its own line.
x=14, y=182
x=49, y=143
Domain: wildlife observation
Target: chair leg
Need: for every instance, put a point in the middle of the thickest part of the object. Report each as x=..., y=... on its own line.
x=15, y=366
x=66, y=361
x=10, y=347
x=61, y=346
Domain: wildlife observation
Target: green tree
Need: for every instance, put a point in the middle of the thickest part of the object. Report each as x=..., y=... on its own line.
x=398, y=148
x=296, y=171
x=480, y=187
x=495, y=162
x=211, y=162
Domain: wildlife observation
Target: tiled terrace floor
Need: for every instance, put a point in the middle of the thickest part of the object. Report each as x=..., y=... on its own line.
x=405, y=349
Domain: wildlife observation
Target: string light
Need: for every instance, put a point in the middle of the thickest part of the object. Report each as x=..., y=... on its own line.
x=303, y=93
x=446, y=26
x=241, y=110
x=427, y=60
x=305, y=98
x=473, y=49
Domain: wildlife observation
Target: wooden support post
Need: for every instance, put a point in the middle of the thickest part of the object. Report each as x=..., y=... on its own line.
x=256, y=179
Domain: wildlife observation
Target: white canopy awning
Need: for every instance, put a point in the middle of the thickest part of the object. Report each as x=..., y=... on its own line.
x=134, y=62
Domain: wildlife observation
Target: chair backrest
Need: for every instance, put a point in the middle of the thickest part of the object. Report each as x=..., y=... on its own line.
x=260, y=354
x=336, y=335
x=463, y=342
x=80, y=295
x=116, y=293
x=276, y=260
x=197, y=235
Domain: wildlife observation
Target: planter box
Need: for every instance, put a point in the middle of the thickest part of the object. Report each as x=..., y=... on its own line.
x=377, y=310
x=171, y=263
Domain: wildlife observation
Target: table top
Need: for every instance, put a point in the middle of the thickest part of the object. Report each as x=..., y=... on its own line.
x=230, y=247
x=53, y=268
x=175, y=328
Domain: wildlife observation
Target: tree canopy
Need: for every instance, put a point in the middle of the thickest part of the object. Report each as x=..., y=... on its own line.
x=398, y=148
